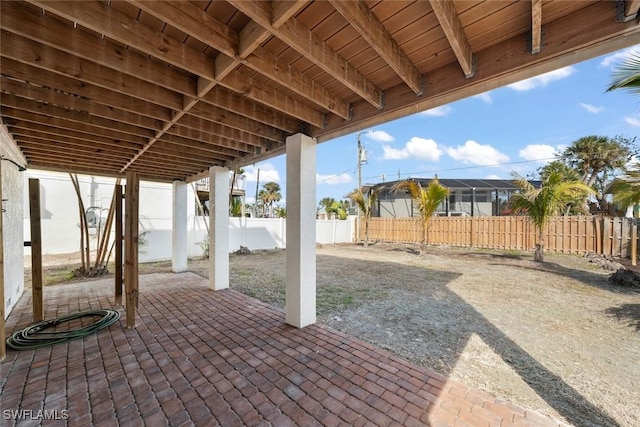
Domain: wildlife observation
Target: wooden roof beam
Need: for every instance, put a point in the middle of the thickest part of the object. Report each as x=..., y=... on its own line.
x=303, y=40
x=116, y=25
x=58, y=62
x=73, y=87
x=45, y=131
x=631, y=9
x=197, y=125
x=193, y=21
x=536, y=26
x=16, y=18
x=367, y=24
x=447, y=16
x=70, y=125
x=102, y=18
x=106, y=20
x=56, y=147
x=71, y=115
x=222, y=149
x=45, y=95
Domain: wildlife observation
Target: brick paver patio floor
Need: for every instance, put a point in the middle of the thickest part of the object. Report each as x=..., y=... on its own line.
x=205, y=358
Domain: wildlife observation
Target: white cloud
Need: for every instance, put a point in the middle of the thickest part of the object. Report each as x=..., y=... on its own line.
x=415, y=148
x=379, y=136
x=493, y=176
x=591, y=108
x=619, y=56
x=632, y=121
x=343, y=178
x=542, y=80
x=267, y=173
x=542, y=153
x=478, y=154
x=486, y=97
x=442, y=111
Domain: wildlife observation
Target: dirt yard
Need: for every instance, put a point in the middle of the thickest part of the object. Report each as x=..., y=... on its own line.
x=555, y=337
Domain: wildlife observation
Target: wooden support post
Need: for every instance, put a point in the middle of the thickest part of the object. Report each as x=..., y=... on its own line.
x=131, y=247
x=118, y=242
x=36, y=250
x=3, y=349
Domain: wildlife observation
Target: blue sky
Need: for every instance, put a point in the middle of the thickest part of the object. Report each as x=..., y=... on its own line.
x=515, y=128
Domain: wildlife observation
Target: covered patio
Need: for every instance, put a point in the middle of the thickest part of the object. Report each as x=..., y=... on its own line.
x=223, y=358
x=176, y=91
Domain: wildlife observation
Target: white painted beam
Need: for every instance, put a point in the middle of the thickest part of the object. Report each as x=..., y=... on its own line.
x=301, y=231
x=219, y=228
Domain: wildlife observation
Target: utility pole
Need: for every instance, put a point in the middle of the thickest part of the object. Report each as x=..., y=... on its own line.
x=359, y=162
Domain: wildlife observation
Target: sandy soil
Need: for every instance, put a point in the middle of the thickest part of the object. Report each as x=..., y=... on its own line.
x=556, y=337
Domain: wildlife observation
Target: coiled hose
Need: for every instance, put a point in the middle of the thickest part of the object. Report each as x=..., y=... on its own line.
x=33, y=336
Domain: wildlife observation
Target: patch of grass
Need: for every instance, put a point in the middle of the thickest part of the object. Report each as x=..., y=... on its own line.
x=243, y=273
x=55, y=276
x=333, y=299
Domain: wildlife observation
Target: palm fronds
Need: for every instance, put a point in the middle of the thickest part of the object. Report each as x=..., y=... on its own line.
x=627, y=75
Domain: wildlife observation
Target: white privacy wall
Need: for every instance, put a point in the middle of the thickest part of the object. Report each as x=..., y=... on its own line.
x=61, y=232
x=12, y=231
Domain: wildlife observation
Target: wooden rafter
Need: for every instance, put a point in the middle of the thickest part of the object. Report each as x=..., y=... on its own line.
x=47, y=96
x=74, y=87
x=126, y=30
x=631, y=7
x=299, y=37
x=58, y=62
x=536, y=26
x=193, y=21
x=447, y=16
x=21, y=104
x=99, y=50
x=369, y=26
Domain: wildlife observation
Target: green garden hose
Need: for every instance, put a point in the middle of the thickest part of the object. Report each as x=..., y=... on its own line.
x=33, y=336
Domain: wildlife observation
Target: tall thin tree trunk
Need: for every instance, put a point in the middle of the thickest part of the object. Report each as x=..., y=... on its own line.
x=366, y=232
x=538, y=254
x=423, y=243
x=85, y=253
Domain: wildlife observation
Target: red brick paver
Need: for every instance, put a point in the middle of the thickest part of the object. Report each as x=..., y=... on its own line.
x=199, y=357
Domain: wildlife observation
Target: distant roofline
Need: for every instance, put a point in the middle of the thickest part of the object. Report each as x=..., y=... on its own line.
x=456, y=184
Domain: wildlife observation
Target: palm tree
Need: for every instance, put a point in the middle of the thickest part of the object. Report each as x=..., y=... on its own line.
x=596, y=158
x=366, y=202
x=574, y=207
x=269, y=195
x=626, y=190
x=627, y=76
x=327, y=203
x=427, y=200
x=541, y=204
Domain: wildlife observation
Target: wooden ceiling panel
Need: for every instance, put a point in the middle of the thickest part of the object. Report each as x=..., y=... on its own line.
x=169, y=88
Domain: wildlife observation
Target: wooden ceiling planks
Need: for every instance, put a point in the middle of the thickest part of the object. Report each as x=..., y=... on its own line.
x=168, y=89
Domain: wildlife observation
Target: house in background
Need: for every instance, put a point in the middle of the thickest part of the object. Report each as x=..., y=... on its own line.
x=468, y=197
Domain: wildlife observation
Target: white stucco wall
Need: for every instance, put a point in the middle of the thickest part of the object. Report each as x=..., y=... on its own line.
x=60, y=216
x=12, y=230
x=61, y=232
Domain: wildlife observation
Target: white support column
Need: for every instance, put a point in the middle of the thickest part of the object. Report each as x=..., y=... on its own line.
x=301, y=231
x=218, y=228
x=179, y=246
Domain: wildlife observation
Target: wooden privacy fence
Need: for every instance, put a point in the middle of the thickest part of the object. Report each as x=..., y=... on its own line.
x=570, y=234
